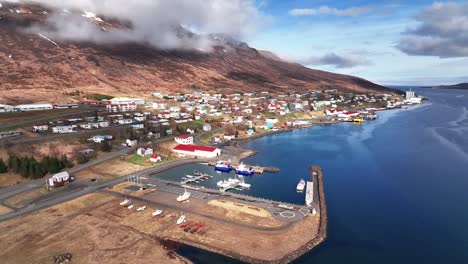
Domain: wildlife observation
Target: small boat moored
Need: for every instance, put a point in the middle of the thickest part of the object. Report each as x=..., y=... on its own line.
x=301, y=185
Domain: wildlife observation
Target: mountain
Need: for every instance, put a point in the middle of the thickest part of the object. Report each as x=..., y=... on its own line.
x=462, y=86
x=34, y=67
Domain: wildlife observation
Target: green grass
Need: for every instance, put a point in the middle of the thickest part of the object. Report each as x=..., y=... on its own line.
x=138, y=160
x=205, y=138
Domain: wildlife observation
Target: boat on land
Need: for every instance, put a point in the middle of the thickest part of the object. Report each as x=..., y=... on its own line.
x=130, y=206
x=125, y=202
x=242, y=169
x=181, y=219
x=141, y=208
x=157, y=212
x=223, y=166
x=301, y=185
x=183, y=197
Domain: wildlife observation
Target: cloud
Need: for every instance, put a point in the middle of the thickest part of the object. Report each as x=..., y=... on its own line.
x=338, y=61
x=326, y=10
x=154, y=22
x=442, y=32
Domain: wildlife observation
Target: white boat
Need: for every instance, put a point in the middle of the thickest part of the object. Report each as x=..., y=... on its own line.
x=125, y=202
x=184, y=196
x=301, y=185
x=181, y=219
x=157, y=212
x=141, y=208
x=130, y=206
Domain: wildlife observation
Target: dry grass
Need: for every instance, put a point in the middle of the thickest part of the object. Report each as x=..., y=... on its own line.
x=80, y=203
x=7, y=179
x=4, y=210
x=240, y=208
x=22, y=199
x=121, y=188
x=110, y=170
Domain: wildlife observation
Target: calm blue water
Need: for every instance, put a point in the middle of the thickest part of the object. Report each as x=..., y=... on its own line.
x=396, y=188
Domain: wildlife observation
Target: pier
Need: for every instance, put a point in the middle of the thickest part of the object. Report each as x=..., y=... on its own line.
x=256, y=169
x=196, y=179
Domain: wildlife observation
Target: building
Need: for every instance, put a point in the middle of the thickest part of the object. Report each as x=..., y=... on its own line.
x=40, y=128
x=410, y=94
x=63, y=129
x=229, y=137
x=196, y=150
x=206, y=127
x=130, y=143
x=145, y=151
x=100, y=138
x=121, y=107
x=6, y=134
x=159, y=105
x=155, y=158
x=59, y=179
x=6, y=108
x=125, y=100
x=33, y=107
x=184, y=139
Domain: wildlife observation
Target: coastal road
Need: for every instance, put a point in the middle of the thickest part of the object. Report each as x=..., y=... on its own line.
x=87, y=187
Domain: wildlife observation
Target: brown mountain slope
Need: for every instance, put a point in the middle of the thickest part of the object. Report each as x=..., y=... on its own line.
x=33, y=68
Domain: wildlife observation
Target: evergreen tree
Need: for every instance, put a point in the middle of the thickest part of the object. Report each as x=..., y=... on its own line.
x=3, y=166
x=24, y=167
x=106, y=147
x=65, y=162
x=82, y=158
x=13, y=163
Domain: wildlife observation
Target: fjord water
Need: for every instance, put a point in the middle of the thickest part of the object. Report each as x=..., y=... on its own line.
x=396, y=188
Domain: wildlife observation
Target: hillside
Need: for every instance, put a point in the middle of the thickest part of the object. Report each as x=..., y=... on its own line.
x=462, y=86
x=34, y=67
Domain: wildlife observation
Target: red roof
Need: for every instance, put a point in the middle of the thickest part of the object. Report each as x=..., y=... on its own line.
x=154, y=156
x=193, y=148
x=184, y=136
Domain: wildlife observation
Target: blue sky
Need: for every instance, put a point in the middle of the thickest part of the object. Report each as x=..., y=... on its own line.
x=388, y=42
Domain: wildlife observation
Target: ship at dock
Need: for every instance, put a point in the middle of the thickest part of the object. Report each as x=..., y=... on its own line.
x=223, y=166
x=301, y=185
x=236, y=183
x=242, y=169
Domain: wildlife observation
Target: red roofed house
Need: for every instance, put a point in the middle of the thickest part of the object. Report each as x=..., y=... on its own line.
x=155, y=158
x=196, y=150
x=184, y=139
x=348, y=114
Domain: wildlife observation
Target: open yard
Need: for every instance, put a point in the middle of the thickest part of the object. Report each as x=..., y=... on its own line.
x=22, y=199
x=110, y=169
x=8, y=178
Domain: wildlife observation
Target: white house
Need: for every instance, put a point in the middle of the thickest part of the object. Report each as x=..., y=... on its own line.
x=121, y=107
x=184, y=139
x=229, y=137
x=59, y=179
x=63, y=129
x=130, y=143
x=159, y=105
x=104, y=124
x=348, y=114
x=40, y=128
x=138, y=125
x=155, y=158
x=125, y=100
x=145, y=151
x=206, y=127
x=33, y=107
x=198, y=151
x=124, y=121
x=100, y=138
x=271, y=120
x=6, y=108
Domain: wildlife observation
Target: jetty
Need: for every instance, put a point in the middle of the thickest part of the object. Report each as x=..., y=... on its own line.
x=196, y=179
x=309, y=198
x=256, y=169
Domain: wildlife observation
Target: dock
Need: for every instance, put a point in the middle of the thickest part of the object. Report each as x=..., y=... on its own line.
x=256, y=169
x=193, y=178
x=309, y=198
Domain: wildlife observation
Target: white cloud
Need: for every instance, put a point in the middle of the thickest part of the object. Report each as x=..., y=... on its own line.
x=326, y=10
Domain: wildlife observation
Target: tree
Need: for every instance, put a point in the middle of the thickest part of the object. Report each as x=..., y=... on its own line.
x=65, y=162
x=3, y=166
x=106, y=147
x=13, y=163
x=82, y=158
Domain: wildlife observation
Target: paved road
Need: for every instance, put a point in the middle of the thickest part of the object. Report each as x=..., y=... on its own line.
x=91, y=187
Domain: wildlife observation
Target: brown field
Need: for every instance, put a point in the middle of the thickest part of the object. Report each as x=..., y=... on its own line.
x=22, y=199
x=80, y=228
x=241, y=212
x=4, y=210
x=120, y=188
x=109, y=170
x=7, y=179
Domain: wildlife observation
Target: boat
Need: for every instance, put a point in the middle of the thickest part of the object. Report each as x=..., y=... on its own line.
x=183, y=196
x=233, y=183
x=130, y=206
x=197, y=173
x=125, y=202
x=157, y=212
x=242, y=169
x=141, y=208
x=223, y=166
x=181, y=219
x=301, y=185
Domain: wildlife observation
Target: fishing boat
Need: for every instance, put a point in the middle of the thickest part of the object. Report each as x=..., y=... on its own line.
x=130, y=206
x=242, y=169
x=301, y=185
x=223, y=166
x=157, y=212
x=141, y=208
x=181, y=219
x=183, y=197
x=125, y=202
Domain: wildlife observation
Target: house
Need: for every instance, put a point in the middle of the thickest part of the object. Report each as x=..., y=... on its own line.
x=89, y=125
x=33, y=107
x=100, y=138
x=130, y=143
x=124, y=121
x=104, y=124
x=196, y=150
x=206, y=127
x=154, y=135
x=250, y=131
x=190, y=131
x=6, y=108
x=137, y=125
x=229, y=137
x=6, y=134
x=40, y=128
x=59, y=179
x=63, y=129
x=159, y=105
x=155, y=158
x=125, y=100
x=145, y=151
x=184, y=139
x=271, y=121
x=348, y=114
